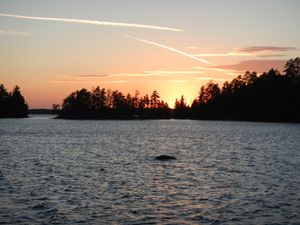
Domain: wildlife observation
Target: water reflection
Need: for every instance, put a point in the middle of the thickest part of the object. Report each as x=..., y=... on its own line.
x=104, y=172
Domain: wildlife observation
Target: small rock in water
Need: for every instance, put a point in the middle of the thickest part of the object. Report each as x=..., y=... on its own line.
x=165, y=157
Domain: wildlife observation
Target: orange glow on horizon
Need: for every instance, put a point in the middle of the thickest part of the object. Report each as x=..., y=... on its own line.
x=49, y=53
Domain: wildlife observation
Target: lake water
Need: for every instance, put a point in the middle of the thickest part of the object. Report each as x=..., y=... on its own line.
x=104, y=172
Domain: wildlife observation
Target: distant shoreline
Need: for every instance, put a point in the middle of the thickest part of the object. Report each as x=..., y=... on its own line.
x=174, y=118
x=40, y=111
x=55, y=116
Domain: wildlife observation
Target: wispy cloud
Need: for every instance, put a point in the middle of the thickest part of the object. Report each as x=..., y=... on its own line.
x=92, y=22
x=147, y=73
x=211, y=78
x=257, y=49
x=72, y=80
x=174, y=72
x=14, y=33
x=171, y=49
x=254, y=65
x=105, y=78
x=270, y=56
x=175, y=76
x=233, y=53
x=218, y=69
x=250, y=51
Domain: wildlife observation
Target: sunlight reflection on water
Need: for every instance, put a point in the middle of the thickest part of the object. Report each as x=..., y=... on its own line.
x=93, y=172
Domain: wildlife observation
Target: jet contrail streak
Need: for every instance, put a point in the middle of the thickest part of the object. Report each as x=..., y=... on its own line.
x=92, y=22
x=171, y=49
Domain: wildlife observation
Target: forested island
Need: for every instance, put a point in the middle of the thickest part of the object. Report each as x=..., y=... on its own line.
x=272, y=96
x=12, y=104
x=102, y=104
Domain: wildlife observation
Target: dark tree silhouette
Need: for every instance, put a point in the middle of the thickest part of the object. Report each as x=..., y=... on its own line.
x=55, y=108
x=272, y=96
x=78, y=104
x=181, y=109
x=154, y=102
x=3, y=101
x=292, y=69
x=102, y=104
x=98, y=99
x=209, y=92
x=12, y=104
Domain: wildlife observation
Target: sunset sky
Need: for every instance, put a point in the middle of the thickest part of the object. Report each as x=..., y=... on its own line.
x=51, y=48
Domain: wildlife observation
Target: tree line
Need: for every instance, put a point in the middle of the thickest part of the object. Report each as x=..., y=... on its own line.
x=100, y=103
x=12, y=104
x=272, y=96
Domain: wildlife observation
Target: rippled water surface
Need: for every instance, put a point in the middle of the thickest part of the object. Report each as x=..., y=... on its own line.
x=104, y=172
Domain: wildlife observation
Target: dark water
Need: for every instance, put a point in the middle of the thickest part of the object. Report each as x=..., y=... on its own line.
x=104, y=172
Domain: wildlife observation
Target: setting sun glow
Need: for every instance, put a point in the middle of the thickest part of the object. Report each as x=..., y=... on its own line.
x=49, y=53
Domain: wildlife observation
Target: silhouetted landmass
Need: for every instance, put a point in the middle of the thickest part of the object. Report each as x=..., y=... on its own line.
x=12, y=104
x=106, y=104
x=271, y=96
x=41, y=111
x=181, y=109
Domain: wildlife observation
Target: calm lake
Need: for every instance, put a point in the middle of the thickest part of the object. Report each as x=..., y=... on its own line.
x=104, y=172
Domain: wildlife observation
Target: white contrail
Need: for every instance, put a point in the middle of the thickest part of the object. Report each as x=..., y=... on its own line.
x=233, y=53
x=92, y=22
x=171, y=49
